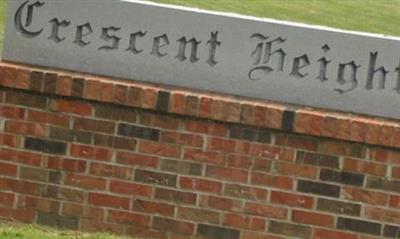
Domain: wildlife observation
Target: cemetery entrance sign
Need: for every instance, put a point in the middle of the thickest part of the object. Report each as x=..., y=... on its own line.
x=246, y=56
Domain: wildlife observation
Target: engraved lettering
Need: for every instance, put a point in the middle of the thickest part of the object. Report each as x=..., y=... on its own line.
x=80, y=34
x=157, y=45
x=21, y=28
x=132, y=42
x=323, y=65
x=371, y=73
x=105, y=35
x=397, y=69
x=182, y=49
x=214, y=43
x=261, y=60
x=352, y=66
x=299, y=63
x=56, y=24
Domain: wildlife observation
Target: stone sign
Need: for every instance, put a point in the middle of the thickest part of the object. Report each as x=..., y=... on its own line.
x=239, y=55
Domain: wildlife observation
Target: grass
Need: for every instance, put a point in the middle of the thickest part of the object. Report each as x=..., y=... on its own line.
x=22, y=231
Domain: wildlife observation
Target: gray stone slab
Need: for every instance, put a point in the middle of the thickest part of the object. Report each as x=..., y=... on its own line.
x=239, y=55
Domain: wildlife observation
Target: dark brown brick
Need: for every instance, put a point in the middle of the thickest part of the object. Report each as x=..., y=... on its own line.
x=318, y=188
x=150, y=177
x=77, y=87
x=289, y=229
x=163, y=101
x=36, y=81
x=55, y=220
x=114, y=142
x=175, y=196
x=391, y=231
x=138, y=132
x=359, y=226
x=287, y=120
x=338, y=207
x=181, y=167
x=50, y=83
x=383, y=184
x=94, y=125
x=115, y=113
x=30, y=100
x=45, y=146
x=317, y=159
x=249, y=134
x=34, y=174
x=165, y=224
x=342, y=177
x=213, y=232
x=70, y=135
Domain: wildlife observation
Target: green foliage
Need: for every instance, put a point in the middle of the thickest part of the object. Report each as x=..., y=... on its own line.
x=20, y=231
x=3, y=4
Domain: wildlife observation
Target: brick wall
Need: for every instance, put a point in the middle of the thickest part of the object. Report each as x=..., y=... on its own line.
x=90, y=153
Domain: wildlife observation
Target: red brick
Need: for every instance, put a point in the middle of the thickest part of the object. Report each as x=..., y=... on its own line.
x=221, y=144
x=266, y=211
x=153, y=208
x=272, y=181
x=81, y=211
x=21, y=215
x=361, y=195
x=134, y=159
x=258, y=235
x=274, y=117
x=296, y=170
x=244, y=222
x=198, y=215
x=20, y=186
x=159, y=121
x=97, y=226
x=343, y=131
x=66, y=164
x=312, y=218
x=21, y=157
x=205, y=109
x=149, y=98
x=48, y=118
x=297, y=142
x=106, y=170
x=25, y=128
x=227, y=174
x=358, y=129
x=396, y=172
x=64, y=84
x=130, y=188
x=161, y=149
x=396, y=137
x=106, y=91
x=177, y=102
x=342, y=148
x=83, y=181
x=316, y=121
x=373, y=131
x=301, y=122
x=290, y=199
x=182, y=139
x=120, y=94
x=141, y=232
x=6, y=199
x=175, y=196
x=74, y=107
x=204, y=156
x=11, y=112
x=330, y=126
x=134, y=96
x=23, y=78
x=387, y=134
x=192, y=105
x=206, y=128
x=10, y=140
x=91, y=89
x=200, y=185
x=247, y=113
x=394, y=201
x=121, y=217
x=361, y=166
x=8, y=76
x=320, y=233
x=105, y=200
x=383, y=215
x=90, y=152
x=240, y=191
x=259, y=115
x=8, y=169
x=221, y=203
x=239, y=161
x=41, y=204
